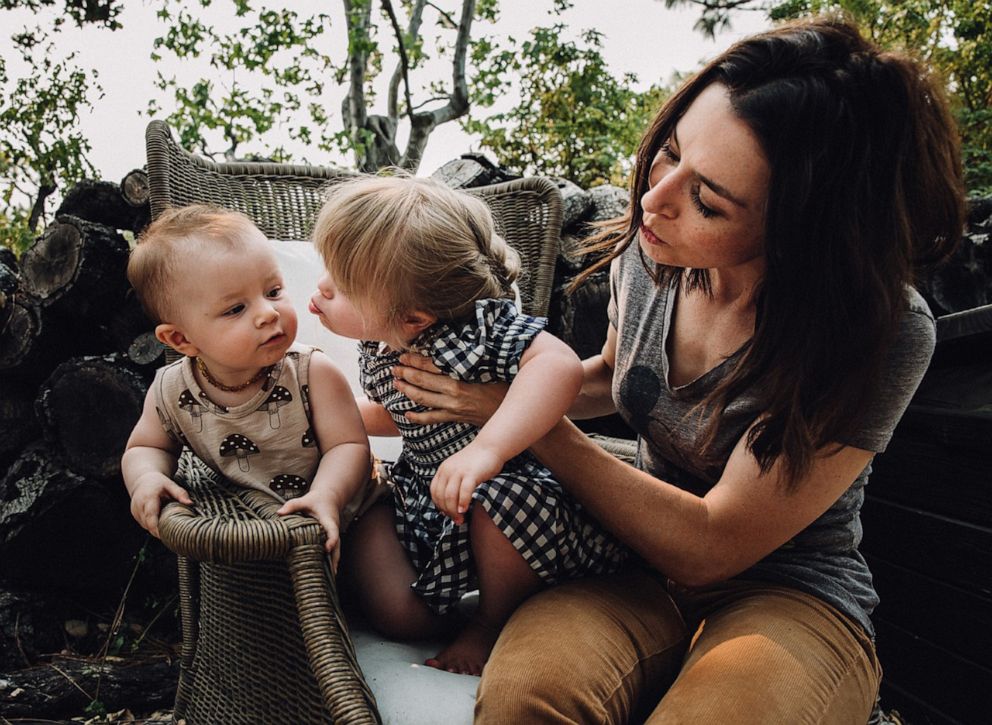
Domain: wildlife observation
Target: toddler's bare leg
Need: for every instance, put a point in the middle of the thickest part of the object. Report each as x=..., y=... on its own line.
x=505, y=580
x=380, y=572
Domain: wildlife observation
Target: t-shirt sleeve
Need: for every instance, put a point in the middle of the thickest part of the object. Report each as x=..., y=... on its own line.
x=489, y=348
x=907, y=362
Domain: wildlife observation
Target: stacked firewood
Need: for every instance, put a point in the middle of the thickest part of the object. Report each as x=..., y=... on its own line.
x=76, y=358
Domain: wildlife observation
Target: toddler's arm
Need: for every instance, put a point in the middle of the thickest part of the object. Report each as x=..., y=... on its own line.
x=345, y=462
x=377, y=421
x=550, y=377
x=148, y=464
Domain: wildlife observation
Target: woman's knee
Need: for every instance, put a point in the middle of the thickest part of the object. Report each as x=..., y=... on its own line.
x=587, y=651
x=771, y=654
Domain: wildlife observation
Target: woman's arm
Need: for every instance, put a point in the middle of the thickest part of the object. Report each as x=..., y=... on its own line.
x=693, y=540
x=596, y=397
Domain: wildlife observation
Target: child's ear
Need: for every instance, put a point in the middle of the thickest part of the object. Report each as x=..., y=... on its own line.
x=171, y=335
x=415, y=322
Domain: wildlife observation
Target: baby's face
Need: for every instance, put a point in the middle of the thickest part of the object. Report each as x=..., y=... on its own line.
x=234, y=307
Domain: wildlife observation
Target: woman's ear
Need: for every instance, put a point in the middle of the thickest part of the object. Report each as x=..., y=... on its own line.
x=171, y=335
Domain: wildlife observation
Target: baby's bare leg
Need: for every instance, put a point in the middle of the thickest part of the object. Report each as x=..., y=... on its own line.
x=505, y=580
x=380, y=573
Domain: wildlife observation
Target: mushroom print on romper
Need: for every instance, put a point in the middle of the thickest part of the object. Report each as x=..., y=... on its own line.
x=189, y=403
x=241, y=447
x=289, y=486
x=305, y=397
x=280, y=396
x=308, y=440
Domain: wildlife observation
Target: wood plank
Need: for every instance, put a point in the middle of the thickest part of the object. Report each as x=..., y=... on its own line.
x=935, y=477
x=957, y=689
x=911, y=709
x=921, y=605
x=947, y=550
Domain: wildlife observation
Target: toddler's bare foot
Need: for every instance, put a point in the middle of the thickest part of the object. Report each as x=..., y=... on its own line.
x=470, y=650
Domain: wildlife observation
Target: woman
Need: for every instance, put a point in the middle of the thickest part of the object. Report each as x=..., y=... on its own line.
x=764, y=341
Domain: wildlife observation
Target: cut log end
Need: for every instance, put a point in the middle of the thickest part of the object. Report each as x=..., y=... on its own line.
x=52, y=261
x=134, y=188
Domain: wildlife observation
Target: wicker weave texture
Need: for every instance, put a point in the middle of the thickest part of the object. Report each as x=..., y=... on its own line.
x=264, y=639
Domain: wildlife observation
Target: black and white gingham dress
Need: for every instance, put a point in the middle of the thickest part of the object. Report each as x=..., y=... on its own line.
x=551, y=531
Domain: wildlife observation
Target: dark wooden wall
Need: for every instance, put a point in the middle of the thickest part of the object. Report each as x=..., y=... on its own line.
x=928, y=538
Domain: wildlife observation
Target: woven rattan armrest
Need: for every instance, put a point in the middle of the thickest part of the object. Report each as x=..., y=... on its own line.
x=237, y=552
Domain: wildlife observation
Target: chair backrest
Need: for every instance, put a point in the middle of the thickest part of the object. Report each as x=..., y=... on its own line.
x=283, y=200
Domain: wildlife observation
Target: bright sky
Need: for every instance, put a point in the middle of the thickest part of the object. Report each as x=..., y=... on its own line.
x=641, y=36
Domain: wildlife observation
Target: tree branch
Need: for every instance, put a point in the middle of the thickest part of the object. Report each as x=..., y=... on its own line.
x=45, y=190
x=412, y=32
x=357, y=15
x=423, y=123
x=403, y=65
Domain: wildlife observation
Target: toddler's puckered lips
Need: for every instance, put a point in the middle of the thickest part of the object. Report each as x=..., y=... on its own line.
x=313, y=308
x=650, y=237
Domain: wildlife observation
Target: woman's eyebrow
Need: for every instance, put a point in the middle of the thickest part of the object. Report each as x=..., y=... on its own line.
x=717, y=189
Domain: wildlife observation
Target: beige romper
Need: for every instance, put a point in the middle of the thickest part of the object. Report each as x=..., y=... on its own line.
x=267, y=443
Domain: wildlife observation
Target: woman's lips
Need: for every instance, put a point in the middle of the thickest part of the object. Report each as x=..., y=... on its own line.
x=650, y=236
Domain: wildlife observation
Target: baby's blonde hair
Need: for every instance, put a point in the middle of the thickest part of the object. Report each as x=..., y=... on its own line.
x=395, y=244
x=165, y=247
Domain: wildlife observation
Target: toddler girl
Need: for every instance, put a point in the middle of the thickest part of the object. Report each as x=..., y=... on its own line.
x=413, y=265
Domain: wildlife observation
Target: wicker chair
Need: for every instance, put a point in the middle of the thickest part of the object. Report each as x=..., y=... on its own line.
x=264, y=638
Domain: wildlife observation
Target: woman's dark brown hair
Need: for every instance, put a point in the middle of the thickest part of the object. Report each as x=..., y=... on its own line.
x=866, y=188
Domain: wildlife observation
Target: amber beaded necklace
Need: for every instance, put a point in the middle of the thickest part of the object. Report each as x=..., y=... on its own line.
x=202, y=367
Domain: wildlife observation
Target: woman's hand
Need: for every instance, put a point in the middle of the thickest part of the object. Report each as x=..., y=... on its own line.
x=450, y=400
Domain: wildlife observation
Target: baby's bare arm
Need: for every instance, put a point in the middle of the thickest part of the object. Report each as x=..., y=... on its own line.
x=345, y=460
x=148, y=465
x=377, y=421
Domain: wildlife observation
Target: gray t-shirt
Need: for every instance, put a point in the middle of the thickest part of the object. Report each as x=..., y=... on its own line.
x=823, y=559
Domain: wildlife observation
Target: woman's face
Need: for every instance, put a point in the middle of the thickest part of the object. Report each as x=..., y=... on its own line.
x=705, y=205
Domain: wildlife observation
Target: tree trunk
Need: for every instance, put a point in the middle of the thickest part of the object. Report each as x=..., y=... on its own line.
x=128, y=331
x=100, y=202
x=67, y=685
x=87, y=408
x=79, y=266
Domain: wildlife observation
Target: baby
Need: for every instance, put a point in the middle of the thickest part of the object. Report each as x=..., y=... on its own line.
x=413, y=265
x=258, y=409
